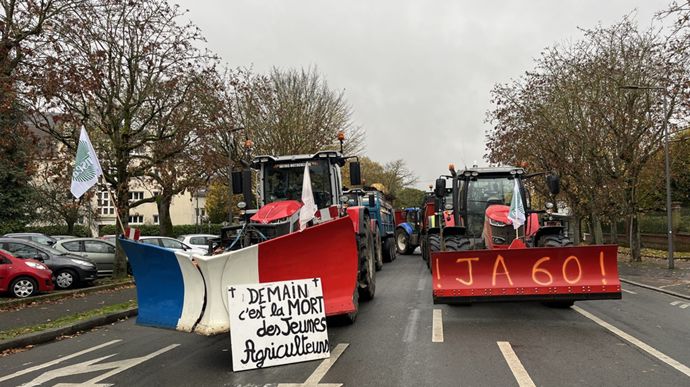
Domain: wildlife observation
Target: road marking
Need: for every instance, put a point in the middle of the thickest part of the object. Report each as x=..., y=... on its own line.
x=94, y=365
x=520, y=373
x=321, y=370
x=56, y=361
x=628, y=291
x=659, y=355
x=684, y=306
x=437, y=327
x=410, y=333
x=674, y=303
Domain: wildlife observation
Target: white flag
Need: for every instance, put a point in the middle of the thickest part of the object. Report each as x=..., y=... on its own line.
x=306, y=213
x=517, y=210
x=87, y=169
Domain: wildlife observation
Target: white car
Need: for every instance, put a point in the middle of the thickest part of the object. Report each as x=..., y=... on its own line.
x=172, y=244
x=199, y=241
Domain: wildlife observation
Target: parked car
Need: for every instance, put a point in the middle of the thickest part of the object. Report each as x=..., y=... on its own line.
x=109, y=238
x=61, y=237
x=172, y=244
x=100, y=251
x=199, y=241
x=23, y=277
x=69, y=270
x=32, y=236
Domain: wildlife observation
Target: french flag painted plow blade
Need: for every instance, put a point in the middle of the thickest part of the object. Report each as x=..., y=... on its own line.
x=539, y=274
x=175, y=293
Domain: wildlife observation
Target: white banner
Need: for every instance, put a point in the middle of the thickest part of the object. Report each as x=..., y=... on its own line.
x=277, y=323
x=87, y=169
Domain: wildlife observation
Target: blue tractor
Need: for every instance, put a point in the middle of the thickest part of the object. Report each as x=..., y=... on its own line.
x=382, y=218
x=407, y=229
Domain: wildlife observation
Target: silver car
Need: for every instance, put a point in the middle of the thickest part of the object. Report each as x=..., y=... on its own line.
x=199, y=241
x=172, y=244
x=100, y=251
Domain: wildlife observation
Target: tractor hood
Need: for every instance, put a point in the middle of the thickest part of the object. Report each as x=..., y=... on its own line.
x=498, y=213
x=276, y=210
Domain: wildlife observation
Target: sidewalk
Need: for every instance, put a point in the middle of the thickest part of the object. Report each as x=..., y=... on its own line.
x=654, y=272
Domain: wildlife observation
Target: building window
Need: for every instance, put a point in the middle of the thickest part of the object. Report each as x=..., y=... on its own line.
x=105, y=205
x=136, y=195
x=156, y=219
x=136, y=219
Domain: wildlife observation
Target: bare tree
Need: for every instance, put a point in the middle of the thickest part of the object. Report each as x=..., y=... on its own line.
x=124, y=70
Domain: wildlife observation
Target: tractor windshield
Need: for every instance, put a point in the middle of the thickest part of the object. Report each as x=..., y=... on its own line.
x=284, y=182
x=483, y=192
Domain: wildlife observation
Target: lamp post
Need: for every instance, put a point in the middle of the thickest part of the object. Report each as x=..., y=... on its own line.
x=667, y=169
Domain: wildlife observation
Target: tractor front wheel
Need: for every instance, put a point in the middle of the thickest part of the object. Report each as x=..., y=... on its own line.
x=554, y=241
x=367, y=264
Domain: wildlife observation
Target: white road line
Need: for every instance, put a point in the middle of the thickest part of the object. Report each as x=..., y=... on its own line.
x=437, y=327
x=684, y=306
x=56, y=361
x=410, y=333
x=674, y=303
x=326, y=365
x=659, y=355
x=628, y=291
x=520, y=373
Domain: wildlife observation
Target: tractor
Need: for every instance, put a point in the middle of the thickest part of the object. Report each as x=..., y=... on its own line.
x=270, y=244
x=407, y=229
x=484, y=242
x=382, y=218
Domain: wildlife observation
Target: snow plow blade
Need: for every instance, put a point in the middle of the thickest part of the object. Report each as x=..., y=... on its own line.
x=527, y=274
x=327, y=251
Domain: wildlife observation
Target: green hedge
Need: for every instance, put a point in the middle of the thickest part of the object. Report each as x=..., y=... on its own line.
x=151, y=230
x=79, y=230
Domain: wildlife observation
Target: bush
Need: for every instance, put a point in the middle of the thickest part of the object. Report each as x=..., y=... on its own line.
x=79, y=230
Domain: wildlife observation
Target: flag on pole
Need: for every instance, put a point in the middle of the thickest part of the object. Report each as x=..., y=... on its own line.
x=306, y=213
x=87, y=169
x=517, y=210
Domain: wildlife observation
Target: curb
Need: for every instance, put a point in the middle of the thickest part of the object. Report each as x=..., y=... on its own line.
x=660, y=290
x=52, y=334
x=62, y=294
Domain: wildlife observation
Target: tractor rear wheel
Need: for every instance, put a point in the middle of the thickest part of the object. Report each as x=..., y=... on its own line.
x=389, y=250
x=554, y=241
x=402, y=242
x=378, y=251
x=367, y=262
x=434, y=245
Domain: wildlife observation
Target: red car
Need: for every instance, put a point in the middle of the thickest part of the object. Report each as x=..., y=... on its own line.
x=23, y=277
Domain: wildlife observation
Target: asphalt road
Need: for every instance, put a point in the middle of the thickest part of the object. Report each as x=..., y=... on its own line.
x=391, y=345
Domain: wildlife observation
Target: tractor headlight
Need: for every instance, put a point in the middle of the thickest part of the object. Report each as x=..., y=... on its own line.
x=448, y=206
x=496, y=223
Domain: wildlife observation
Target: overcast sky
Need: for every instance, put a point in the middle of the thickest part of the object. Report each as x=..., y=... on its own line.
x=416, y=73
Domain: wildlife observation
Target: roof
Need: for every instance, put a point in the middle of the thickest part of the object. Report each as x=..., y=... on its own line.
x=326, y=154
x=500, y=170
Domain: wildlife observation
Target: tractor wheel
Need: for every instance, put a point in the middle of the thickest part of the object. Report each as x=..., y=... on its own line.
x=457, y=243
x=378, y=250
x=402, y=242
x=554, y=241
x=434, y=245
x=367, y=264
x=352, y=316
x=389, y=250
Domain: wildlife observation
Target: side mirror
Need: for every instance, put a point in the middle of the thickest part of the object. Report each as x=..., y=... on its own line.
x=237, y=183
x=355, y=173
x=372, y=201
x=440, y=189
x=554, y=184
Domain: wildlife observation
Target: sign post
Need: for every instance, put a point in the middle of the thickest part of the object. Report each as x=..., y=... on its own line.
x=277, y=323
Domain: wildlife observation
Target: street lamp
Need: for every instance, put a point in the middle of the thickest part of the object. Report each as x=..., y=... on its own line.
x=667, y=167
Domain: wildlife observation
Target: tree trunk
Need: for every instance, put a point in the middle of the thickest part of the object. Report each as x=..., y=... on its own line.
x=163, y=203
x=597, y=232
x=614, y=231
x=70, y=227
x=634, y=237
x=122, y=221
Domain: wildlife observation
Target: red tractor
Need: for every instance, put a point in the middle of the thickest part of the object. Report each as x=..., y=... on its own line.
x=478, y=252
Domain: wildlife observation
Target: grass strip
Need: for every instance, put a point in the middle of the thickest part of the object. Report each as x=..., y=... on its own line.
x=68, y=320
x=654, y=253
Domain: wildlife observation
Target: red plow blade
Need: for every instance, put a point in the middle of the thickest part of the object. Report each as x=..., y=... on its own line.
x=538, y=274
